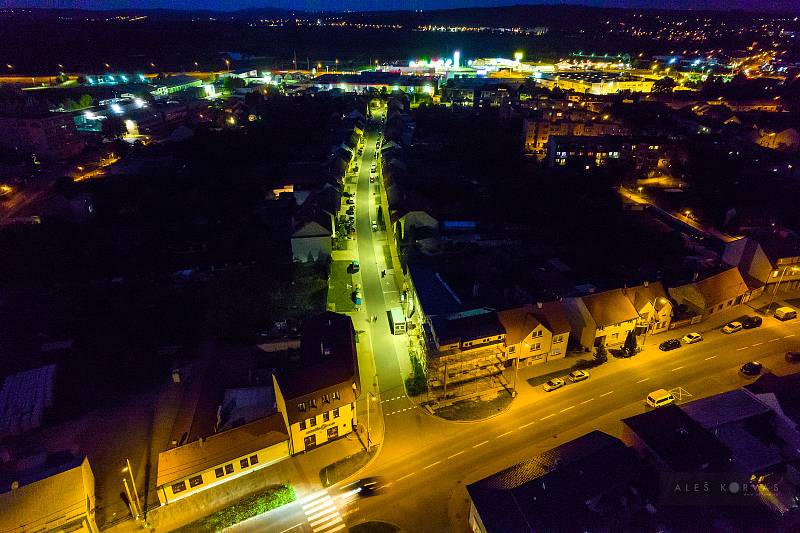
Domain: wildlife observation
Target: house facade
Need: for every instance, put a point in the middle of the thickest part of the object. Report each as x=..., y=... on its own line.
x=653, y=306
x=715, y=293
x=601, y=319
x=317, y=399
x=535, y=333
x=311, y=239
x=208, y=462
x=48, y=135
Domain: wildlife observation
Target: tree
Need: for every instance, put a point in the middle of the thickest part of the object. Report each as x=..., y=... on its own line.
x=231, y=83
x=600, y=354
x=630, y=343
x=112, y=128
x=664, y=85
x=85, y=101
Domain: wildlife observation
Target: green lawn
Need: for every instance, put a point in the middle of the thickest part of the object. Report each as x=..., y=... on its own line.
x=248, y=507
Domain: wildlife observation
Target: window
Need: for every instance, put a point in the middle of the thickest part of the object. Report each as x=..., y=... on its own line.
x=512, y=349
x=336, y=413
x=253, y=460
x=229, y=469
x=195, y=481
x=178, y=487
x=312, y=404
x=326, y=416
x=243, y=463
x=312, y=421
x=302, y=424
x=301, y=407
x=615, y=336
x=326, y=398
x=219, y=472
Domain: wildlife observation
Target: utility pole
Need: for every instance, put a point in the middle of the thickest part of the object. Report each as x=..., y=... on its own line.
x=133, y=486
x=131, y=504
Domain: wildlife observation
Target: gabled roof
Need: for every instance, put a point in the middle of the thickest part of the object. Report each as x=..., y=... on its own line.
x=518, y=323
x=202, y=454
x=722, y=287
x=653, y=293
x=609, y=307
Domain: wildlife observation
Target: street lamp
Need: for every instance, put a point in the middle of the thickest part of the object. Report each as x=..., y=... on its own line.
x=371, y=399
x=128, y=470
x=228, y=64
x=777, y=285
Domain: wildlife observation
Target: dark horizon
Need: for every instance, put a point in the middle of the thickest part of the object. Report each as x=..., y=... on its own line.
x=756, y=6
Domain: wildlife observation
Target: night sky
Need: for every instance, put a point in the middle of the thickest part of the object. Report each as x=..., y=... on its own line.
x=365, y=5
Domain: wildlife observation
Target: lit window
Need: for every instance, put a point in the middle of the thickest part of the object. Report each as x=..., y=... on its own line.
x=301, y=407
x=326, y=416
x=336, y=413
x=195, y=481
x=312, y=404
x=336, y=396
x=326, y=398
x=178, y=487
x=312, y=421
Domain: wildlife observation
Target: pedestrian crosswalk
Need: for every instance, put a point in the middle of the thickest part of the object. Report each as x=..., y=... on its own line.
x=321, y=513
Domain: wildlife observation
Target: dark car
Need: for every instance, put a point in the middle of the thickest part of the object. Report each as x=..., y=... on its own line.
x=351, y=210
x=670, y=344
x=751, y=322
x=362, y=488
x=793, y=357
x=753, y=368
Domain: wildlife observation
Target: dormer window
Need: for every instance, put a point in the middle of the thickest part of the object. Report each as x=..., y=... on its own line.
x=301, y=407
x=312, y=404
x=336, y=395
x=326, y=398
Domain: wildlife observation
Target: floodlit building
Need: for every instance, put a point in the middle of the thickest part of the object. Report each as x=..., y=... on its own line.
x=50, y=499
x=715, y=293
x=595, y=82
x=375, y=81
x=537, y=133
x=170, y=85
x=211, y=461
x=45, y=135
x=311, y=238
x=768, y=255
x=317, y=399
x=653, y=306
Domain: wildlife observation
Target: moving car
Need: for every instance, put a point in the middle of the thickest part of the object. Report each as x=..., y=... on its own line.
x=660, y=398
x=785, y=313
x=578, y=375
x=670, y=344
x=362, y=488
x=751, y=322
x=732, y=327
x=753, y=368
x=691, y=338
x=553, y=384
x=793, y=356
x=372, y=179
x=374, y=226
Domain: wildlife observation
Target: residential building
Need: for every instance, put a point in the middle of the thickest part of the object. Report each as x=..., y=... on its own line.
x=45, y=135
x=595, y=82
x=318, y=398
x=49, y=498
x=601, y=319
x=428, y=295
x=537, y=132
x=652, y=305
x=24, y=399
x=784, y=140
x=366, y=81
x=562, y=488
x=770, y=256
x=715, y=293
x=581, y=150
x=465, y=353
x=535, y=333
x=311, y=238
x=211, y=461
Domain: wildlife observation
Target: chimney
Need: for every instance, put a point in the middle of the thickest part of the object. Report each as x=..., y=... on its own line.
x=646, y=283
x=14, y=485
x=538, y=305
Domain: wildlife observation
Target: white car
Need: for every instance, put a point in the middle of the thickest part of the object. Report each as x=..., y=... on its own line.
x=691, y=338
x=374, y=225
x=732, y=327
x=578, y=375
x=553, y=384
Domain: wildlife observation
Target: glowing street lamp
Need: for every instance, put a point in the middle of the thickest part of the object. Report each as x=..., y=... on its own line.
x=228, y=64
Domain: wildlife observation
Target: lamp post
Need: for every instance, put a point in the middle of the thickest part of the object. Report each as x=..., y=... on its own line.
x=777, y=285
x=370, y=399
x=129, y=471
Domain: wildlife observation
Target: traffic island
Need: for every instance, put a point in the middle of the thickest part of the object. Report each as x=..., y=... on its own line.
x=346, y=467
x=248, y=507
x=474, y=409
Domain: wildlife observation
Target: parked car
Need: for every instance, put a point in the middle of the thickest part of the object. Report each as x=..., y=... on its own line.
x=347, y=194
x=753, y=368
x=553, y=384
x=351, y=210
x=785, y=313
x=691, y=338
x=751, y=322
x=660, y=398
x=374, y=226
x=350, y=201
x=372, y=179
x=793, y=356
x=732, y=327
x=355, y=266
x=578, y=375
x=670, y=344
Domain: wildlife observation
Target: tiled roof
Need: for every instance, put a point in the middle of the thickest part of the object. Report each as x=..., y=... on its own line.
x=610, y=307
x=722, y=287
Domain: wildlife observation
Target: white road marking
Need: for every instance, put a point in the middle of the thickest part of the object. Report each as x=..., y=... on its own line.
x=548, y=416
x=293, y=527
x=757, y=344
x=337, y=528
x=676, y=368
x=526, y=425
x=742, y=348
x=709, y=358
x=773, y=340
x=586, y=401
x=506, y=433
x=607, y=393
x=315, y=496
x=407, y=475
x=481, y=443
x=455, y=454
x=787, y=336
x=567, y=409
x=642, y=380
x=431, y=465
